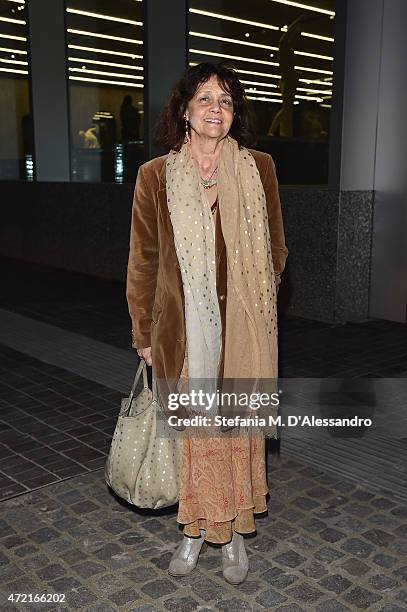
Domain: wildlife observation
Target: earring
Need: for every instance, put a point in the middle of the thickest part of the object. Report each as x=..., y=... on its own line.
x=187, y=136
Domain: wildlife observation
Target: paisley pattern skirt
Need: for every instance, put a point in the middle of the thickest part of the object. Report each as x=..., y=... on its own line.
x=223, y=481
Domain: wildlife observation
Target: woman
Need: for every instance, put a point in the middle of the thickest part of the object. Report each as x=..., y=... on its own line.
x=207, y=250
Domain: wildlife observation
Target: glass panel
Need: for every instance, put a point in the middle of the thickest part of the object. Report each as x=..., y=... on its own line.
x=16, y=147
x=283, y=54
x=105, y=65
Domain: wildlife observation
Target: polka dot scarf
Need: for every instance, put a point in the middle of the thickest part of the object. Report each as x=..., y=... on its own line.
x=251, y=317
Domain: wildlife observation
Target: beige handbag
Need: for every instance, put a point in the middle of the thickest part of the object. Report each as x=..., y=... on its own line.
x=143, y=466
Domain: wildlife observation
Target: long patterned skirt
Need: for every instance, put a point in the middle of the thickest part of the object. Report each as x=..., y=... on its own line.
x=223, y=481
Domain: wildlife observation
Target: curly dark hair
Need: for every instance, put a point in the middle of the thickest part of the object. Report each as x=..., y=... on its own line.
x=169, y=129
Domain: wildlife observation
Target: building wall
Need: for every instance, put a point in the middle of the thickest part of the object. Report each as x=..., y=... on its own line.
x=86, y=227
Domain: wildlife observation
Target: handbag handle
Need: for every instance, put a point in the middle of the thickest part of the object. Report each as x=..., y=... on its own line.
x=154, y=387
x=143, y=368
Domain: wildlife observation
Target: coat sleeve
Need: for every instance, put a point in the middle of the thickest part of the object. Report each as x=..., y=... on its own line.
x=279, y=249
x=142, y=265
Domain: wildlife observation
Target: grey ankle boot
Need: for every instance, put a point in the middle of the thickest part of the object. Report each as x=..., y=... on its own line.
x=235, y=563
x=185, y=558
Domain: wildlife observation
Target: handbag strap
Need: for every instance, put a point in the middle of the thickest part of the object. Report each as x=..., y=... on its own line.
x=154, y=387
x=141, y=368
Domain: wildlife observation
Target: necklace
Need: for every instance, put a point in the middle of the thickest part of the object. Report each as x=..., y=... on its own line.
x=209, y=182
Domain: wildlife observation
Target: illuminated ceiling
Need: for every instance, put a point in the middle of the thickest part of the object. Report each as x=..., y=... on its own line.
x=105, y=42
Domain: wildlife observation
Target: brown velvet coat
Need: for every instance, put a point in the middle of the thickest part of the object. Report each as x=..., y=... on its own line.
x=154, y=285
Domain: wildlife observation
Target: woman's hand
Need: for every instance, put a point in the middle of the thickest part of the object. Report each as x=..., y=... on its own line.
x=145, y=353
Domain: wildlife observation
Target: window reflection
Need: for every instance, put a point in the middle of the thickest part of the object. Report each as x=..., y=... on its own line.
x=105, y=67
x=283, y=54
x=16, y=146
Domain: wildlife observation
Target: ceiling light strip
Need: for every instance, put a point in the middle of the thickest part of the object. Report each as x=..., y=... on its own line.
x=258, y=83
x=113, y=74
x=102, y=16
x=18, y=51
x=235, y=57
x=309, y=98
x=307, y=7
x=307, y=69
x=262, y=74
x=23, y=38
x=253, y=90
x=16, y=71
x=267, y=100
x=316, y=55
x=276, y=93
x=13, y=61
x=267, y=93
x=250, y=44
x=132, y=41
x=74, y=78
x=105, y=51
x=235, y=19
x=317, y=91
x=315, y=82
x=83, y=60
x=278, y=76
x=318, y=36
x=262, y=99
x=232, y=40
x=327, y=94
x=10, y=20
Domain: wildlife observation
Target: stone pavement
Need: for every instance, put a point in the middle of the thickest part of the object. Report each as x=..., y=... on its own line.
x=325, y=546
x=335, y=536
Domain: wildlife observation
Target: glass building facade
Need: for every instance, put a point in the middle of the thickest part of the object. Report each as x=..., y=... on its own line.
x=105, y=72
x=283, y=53
x=16, y=148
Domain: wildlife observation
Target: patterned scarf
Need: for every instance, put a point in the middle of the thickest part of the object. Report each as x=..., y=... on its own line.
x=251, y=307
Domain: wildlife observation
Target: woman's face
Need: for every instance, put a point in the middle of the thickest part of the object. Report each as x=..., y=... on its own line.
x=210, y=112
